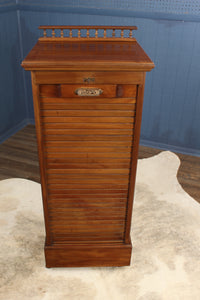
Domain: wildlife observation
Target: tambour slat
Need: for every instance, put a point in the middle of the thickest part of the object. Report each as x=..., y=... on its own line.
x=77, y=219
x=87, y=160
x=58, y=218
x=89, y=149
x=87, y=180
x=87, y=119
x=87, y=154
x=86, y=100
x=88, y=125
x=81, y=204
x=90, y=191
x=89, y=131
x=106, y=165
x=110, y=231
x=88, y=171
x=91, y=137
x=83, y=106
x=87, y=143
x=98, y=197
x=89, y=212
x=61, y=186
x=87, y=113
x=88, y=177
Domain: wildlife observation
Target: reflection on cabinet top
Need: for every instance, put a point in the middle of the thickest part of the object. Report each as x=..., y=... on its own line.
x=87, y=53
x=106, y=55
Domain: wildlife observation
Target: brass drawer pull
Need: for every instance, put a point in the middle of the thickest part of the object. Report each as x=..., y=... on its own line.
x=88, y=91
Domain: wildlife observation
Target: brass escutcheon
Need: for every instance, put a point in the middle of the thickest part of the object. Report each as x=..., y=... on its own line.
x=89, y=79
x=88, y=91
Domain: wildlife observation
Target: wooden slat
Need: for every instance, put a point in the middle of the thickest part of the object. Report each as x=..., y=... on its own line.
x=86, y=224
x=113, y=237
x=83, y=106
x=104, y=230
x=87, y=180
x=88, y=119
x=88, y=171
x=66, y=137
x=81, y=220
x=89, y=149
x=81, y=177
x=88, y=125
x=90, y=101
x=77, y=165
x=87, y=155
x=88, y=212
x=88, y=143
x=87, y=197
x=121, y=192
x=87, y=160
x=87, y=113
x=88, y=131
x=61, y=186
x=63, y=203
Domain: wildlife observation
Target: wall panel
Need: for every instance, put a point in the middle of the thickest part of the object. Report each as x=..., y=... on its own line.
x=12, y=99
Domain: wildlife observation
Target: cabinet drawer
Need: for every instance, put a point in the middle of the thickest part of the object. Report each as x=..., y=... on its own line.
x=89, y=91
x=88, y=77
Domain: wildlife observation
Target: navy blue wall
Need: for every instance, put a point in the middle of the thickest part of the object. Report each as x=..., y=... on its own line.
x=13, y=110
x=168, y=33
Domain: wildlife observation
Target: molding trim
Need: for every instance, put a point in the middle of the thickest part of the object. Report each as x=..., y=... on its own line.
x=107, y=12
x=173, y=148
x=14, y=129
x=11, y=5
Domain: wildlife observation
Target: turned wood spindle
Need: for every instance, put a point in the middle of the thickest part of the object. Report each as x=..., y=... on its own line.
x=44, y=33
x=88, y=33
x=96, y=33
x=53, y=33
x=61, y=33
x=130, y=33
x=104, y=33
x=79, y=33
x=70, y=33
x=122, y=33
x=113, y=33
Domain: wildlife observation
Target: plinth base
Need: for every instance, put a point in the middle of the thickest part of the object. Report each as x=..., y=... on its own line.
x=88, y=255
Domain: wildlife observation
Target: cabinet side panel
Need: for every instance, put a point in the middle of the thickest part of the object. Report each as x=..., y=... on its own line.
x=35, y=89
x=134, y=157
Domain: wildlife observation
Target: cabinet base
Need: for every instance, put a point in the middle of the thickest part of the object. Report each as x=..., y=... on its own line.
x=88, y=255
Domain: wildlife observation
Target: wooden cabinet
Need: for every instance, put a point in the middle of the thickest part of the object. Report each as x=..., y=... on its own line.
x=88, y=94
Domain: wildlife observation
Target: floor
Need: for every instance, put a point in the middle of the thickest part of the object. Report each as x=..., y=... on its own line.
x=18, y=158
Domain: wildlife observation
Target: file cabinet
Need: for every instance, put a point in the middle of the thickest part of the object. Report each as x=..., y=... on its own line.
x=88, y=85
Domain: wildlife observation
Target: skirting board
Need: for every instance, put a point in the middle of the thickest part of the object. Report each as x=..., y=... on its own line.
x=15, y=129
x=172, y=148
x=88, y=255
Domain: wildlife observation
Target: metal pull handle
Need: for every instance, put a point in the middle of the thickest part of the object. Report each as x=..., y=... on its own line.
x=88, y=91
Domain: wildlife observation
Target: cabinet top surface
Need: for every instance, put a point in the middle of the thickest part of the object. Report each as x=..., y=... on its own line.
x=68, y=54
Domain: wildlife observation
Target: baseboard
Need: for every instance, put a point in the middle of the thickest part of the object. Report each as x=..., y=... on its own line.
x=13, y=130
x=173, y=148
x=88, y=255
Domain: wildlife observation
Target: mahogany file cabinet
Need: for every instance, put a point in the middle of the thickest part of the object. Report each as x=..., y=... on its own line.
x=88, y=85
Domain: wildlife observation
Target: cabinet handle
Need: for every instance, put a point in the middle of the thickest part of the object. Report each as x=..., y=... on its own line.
x=88, y=91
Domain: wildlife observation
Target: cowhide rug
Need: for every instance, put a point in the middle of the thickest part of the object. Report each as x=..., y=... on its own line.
x=165, y=236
